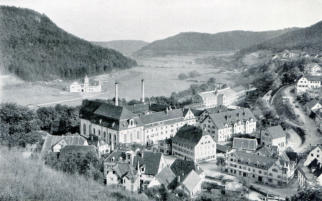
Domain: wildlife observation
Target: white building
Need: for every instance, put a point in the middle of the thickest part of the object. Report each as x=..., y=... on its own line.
x=316, y=153
x=223, y=125
x=308, y=83
x=209, y=99
x=190, y=143
x=274, y=136
x=87, y=87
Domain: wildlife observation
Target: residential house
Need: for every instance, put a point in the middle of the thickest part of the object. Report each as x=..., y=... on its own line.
x=166, y=178
x=149, y=164
x=274, y=136
x=209, y=99
x=101, y=145
x=54, y=143
x=206, y=112
x=191, y=185
x=313, y=106
x=272, y=171
x=310, y=175
x=315, y=154
x=165, y=146
x=308, y=83
x=246, y=144
x=123, y=174
x=190, y=143
x=222, y=126
x=181, y=168
x=268, y=151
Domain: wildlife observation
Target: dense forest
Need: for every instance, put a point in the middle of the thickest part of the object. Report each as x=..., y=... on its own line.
x=191, y=42
x=34, y=48
x=307, y=39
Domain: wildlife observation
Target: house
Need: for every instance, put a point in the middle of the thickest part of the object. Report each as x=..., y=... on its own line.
x=313, y=106
x=213, y=110
x=268, y=151
x=209, y=99
x=274, y=136
x=191, y=185
x=88, y=86
x=223, y=125
x=308, y=83
x=310, y=175
x=149, y=164
x=54, y=143
x=101, y=145
x=272, y=171
x=246, y=144
x=313, y=69
x=315, y=154
x=123, y=174
x=181, y=168
x=165, y=146
x=190, y=143
x=166, y=178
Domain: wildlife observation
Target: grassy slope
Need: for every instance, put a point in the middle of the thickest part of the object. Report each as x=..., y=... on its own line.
x=26, y=179
x=34, y=48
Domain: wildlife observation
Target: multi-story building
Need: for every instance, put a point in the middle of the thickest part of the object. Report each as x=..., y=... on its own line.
x=223, y=125
x=274, y=136
x=308, y=83
x=87, y=87
x=268, y=170
x=190, y=143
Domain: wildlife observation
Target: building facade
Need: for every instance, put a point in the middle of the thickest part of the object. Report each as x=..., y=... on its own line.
x=223, y=125
x=190, y=143
x=274, y=136
x=87, y=87
x=308, y=83
x=267, y=170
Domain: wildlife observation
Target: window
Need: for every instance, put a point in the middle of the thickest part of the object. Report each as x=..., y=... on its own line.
x=94, y=131
x=84, y=129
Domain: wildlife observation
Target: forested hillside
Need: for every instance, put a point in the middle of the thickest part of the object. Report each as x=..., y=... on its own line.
x=195, y=42
x=307, y=39
x=34, y=48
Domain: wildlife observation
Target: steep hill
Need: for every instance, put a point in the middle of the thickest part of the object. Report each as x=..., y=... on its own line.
x=34, y=48
x=195, y=42
x=309, y=39
x=126, y=47
x=26, y=179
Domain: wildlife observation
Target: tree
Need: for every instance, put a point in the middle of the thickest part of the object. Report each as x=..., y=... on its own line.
x=182, y=76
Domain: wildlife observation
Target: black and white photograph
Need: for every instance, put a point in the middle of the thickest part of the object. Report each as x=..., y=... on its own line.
x=160, y=100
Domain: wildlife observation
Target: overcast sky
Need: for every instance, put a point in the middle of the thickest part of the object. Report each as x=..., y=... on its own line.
x=104, y=20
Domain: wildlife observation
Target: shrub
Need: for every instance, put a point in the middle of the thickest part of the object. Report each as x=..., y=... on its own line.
x=182, y=76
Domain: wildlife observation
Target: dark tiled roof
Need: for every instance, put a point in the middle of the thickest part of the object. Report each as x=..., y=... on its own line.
x=196, y=112
x=182, y=168
x=275, y=132
x=166, y=176
x=138, y=108
x=116, y=156
x=268, y=151
x=188, y=135
x=222, y=148
x=313, y=78
x=254, y=160
x=245, y=144
x=125, y=170
x=231, y=117
x=114, y=112
x=162, y=116
x=81, y=149
x=150, y=160
x=218, y=109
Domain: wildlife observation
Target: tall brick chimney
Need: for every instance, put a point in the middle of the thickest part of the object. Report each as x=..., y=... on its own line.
x=116, y=94
x=142, y=90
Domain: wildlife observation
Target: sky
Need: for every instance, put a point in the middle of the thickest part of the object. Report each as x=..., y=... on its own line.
x=149, y=20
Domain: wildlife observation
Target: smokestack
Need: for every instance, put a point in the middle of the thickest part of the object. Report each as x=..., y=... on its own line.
x=116, y=94
x=142, y=90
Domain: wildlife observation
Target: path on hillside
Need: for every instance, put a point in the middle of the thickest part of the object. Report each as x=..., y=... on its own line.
x=312, y=136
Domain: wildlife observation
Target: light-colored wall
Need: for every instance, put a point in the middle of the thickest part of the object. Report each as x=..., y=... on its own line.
x=316, y=153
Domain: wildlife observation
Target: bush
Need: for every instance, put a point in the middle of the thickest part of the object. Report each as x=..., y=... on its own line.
x=182, y=76
x=193, y=74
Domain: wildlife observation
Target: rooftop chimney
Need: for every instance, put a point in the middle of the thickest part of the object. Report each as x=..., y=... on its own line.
x=116, y=94
x=142, y=90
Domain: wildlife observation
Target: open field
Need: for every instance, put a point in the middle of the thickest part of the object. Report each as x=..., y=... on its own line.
x=160, y=74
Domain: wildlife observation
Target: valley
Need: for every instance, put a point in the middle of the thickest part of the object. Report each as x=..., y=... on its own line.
x=160, y=74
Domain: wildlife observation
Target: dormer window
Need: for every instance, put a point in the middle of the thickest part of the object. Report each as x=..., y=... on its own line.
x=131, y=122
x=142, y=169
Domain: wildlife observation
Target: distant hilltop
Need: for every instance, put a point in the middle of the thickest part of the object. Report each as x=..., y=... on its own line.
x=191, y=42
x=34, y=48
x=126, y=47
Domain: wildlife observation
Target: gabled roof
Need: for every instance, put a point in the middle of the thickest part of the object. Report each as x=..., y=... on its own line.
x=188, y=135
x=166, y=176
x=217, y=109
x=231, y=117
x=81, y=149
x=150, y=160
x=116, y=156
x=191, y=181
x=138, y=108
x=244, y=144
x=254, y=160
x=182, y=168
x=114, y=112
x=275, y=132
x=125, y=170
x=72, y=140
x=312, y=77
x=268, y=151
x=162, y=116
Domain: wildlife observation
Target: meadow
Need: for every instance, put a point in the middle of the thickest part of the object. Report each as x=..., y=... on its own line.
x=160, y=74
